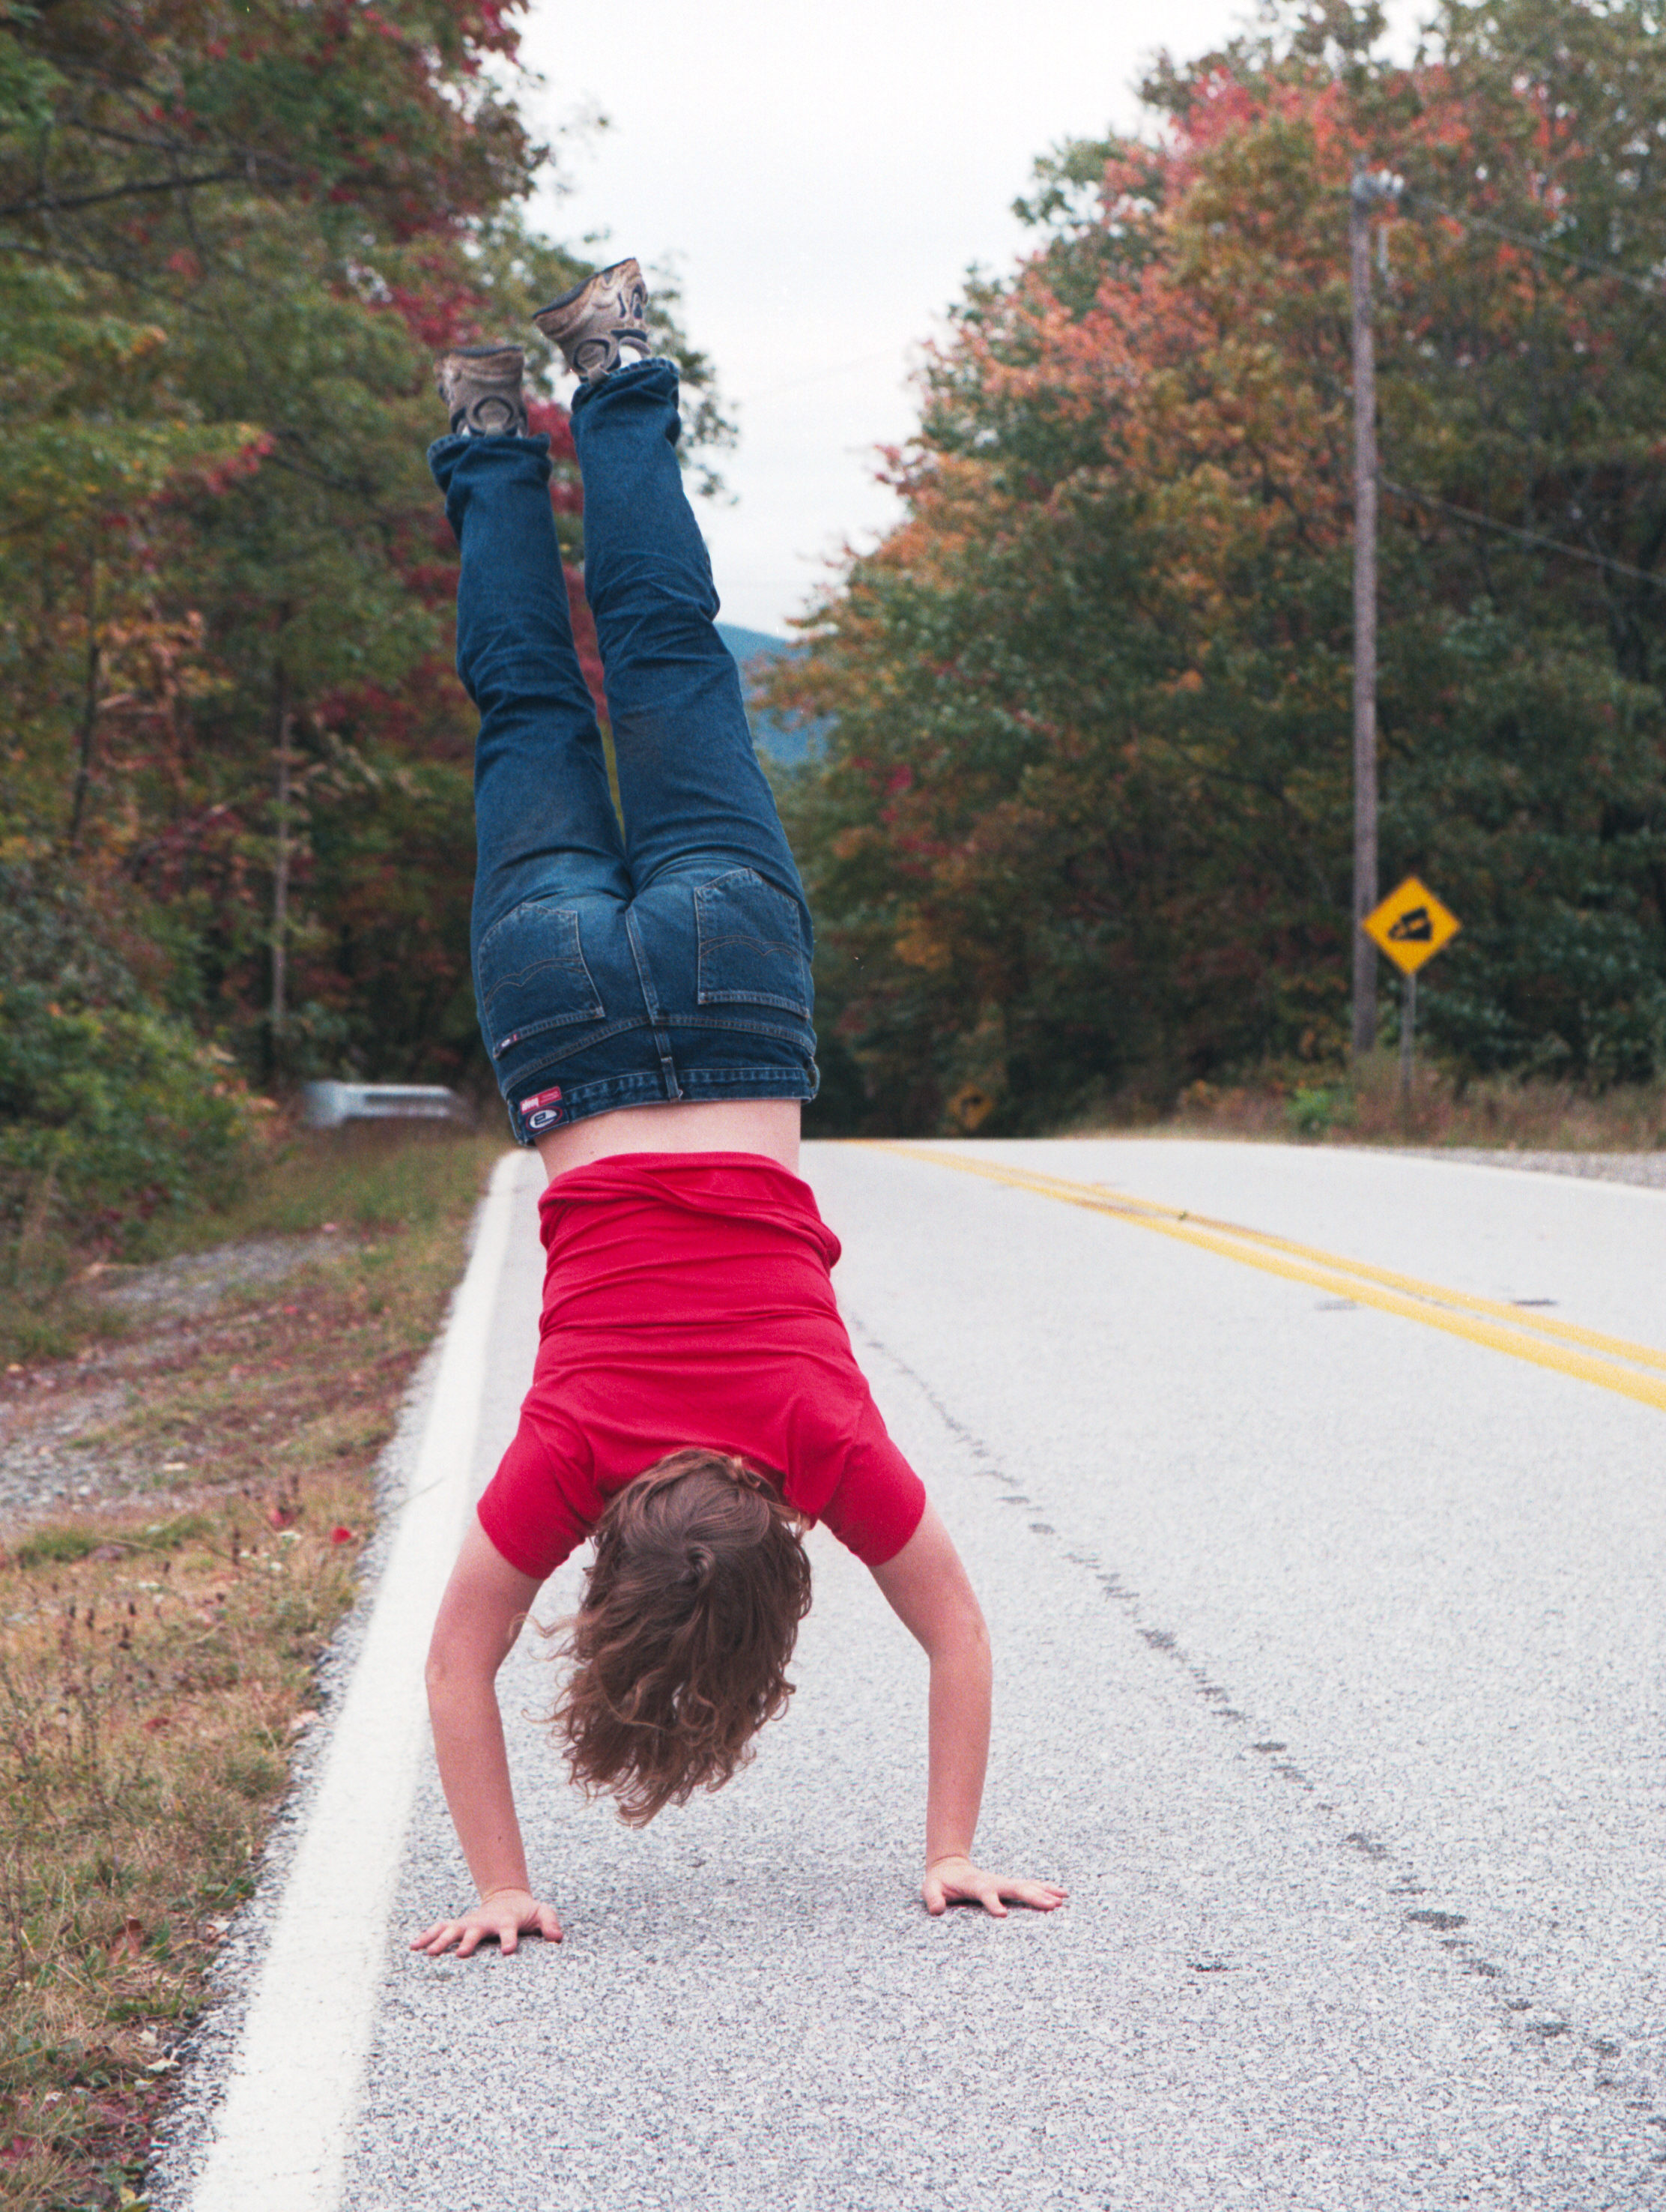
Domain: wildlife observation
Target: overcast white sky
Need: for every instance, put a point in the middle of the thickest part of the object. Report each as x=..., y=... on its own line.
x=822, y=177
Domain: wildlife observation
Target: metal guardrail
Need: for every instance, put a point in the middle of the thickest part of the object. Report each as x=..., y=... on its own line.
x=329, y=1104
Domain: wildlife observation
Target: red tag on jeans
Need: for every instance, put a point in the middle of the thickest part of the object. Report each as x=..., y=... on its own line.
x=543, y=1098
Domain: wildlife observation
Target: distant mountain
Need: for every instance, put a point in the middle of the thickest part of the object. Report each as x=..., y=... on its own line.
x=783, y=742
x=748, y=644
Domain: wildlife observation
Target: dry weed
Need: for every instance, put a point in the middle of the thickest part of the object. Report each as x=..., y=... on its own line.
x=157, y=1669
x=150, y=1689
x=1364, y=1106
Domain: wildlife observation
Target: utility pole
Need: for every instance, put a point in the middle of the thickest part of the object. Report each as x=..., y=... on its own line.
x=1366, y=192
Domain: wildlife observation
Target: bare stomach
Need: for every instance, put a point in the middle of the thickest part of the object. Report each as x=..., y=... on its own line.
x=769, y=1126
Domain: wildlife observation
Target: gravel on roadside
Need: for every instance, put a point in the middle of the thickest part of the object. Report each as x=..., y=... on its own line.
x=1645, y=1170
x=181, y=1288
x=53, y=1456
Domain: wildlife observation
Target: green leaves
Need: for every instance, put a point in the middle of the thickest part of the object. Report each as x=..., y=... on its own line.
x=1084, y=825
x=233, y=235
x=110, y=1109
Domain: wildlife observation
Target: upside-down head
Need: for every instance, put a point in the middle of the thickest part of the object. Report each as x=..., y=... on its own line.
x=679, y=1651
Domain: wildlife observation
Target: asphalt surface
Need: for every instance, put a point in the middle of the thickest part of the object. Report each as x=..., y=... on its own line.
x=1329, y=1679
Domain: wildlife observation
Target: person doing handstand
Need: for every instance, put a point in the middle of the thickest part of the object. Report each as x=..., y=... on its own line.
x=645, y=1002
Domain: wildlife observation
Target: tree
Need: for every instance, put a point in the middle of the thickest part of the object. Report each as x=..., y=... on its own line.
x=232, y=237
x=1083, y=826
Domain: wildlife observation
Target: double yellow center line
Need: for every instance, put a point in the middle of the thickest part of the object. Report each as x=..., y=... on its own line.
x=1635, y=1370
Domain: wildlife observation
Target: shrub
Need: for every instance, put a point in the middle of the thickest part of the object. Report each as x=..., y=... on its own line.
x=1313, y=1112
x=112, y=1111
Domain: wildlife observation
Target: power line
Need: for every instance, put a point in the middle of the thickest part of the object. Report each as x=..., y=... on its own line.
x=1650, y=286
x=1526, y=537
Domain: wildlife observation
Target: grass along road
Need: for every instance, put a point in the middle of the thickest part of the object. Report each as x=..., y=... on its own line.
x=158, y=1645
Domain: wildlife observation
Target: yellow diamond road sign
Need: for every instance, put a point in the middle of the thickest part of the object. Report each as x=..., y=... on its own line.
x=1411, y=926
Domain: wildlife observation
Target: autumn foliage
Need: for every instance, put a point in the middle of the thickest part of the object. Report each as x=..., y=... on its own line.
x=1082, y=830
x=237, y=763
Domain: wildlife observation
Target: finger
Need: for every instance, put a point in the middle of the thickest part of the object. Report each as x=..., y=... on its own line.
x=989, y=1896
x=1038, y=1896
x=509, y=1937
x=932, y=1890
x=549, y=1926
x=470, y=1937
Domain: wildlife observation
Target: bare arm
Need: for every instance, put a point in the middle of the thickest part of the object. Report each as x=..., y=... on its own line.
x=927, y=1589
x=482, y=1613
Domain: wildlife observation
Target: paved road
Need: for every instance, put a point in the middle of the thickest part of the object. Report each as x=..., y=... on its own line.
x=1330, y=1679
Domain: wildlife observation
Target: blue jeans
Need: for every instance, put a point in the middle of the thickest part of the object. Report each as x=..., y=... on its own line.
x=671, y=961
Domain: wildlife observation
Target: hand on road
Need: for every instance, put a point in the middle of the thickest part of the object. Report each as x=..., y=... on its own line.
x=960, y=1882
x=503, y=1917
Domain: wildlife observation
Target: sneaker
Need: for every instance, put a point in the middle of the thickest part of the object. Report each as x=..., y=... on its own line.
x=592, y=321
x=482, y=385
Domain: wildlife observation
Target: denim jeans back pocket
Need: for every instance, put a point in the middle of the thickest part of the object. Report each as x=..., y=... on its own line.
x=530, y=974
x=751, y=950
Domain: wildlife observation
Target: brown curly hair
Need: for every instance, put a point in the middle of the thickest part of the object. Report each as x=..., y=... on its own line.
x=679, y=1650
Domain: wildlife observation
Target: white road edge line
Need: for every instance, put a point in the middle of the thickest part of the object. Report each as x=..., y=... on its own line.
x=281, y=2141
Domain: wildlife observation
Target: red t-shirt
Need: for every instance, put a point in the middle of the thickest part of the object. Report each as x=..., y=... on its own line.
x=686, y=1301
